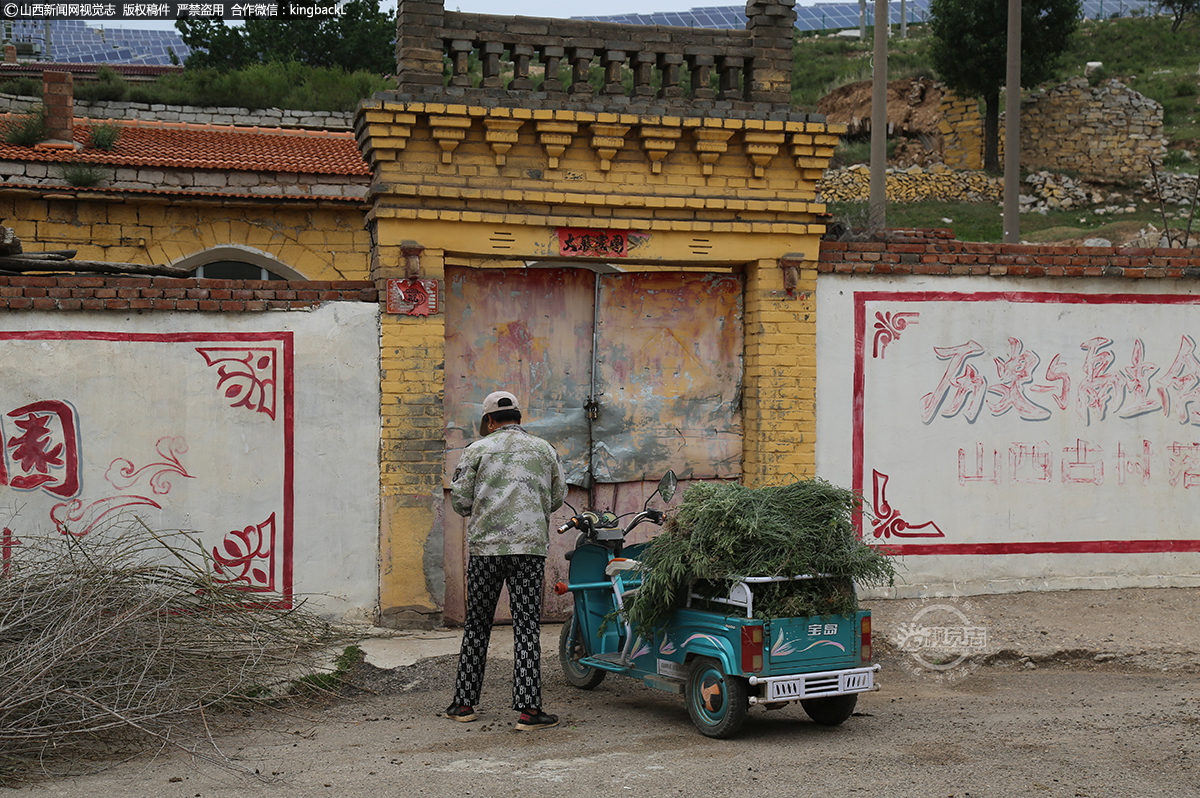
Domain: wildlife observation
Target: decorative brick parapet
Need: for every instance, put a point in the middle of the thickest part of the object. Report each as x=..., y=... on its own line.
x=934, y=254
x=112, y=293
x=577, y=169
x=752, y=67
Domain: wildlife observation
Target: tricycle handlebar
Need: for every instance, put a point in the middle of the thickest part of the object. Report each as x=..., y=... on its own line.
x=588, y=524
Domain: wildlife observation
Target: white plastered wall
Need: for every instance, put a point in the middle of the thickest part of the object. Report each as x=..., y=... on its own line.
x=258, y=432
x=1016, y=434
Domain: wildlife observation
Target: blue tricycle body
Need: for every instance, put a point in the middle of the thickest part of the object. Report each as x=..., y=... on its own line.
x=712, y=650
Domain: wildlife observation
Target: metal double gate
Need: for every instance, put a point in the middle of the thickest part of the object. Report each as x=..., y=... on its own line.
x=627, y=374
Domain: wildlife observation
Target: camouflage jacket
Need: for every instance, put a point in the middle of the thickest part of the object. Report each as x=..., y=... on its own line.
x=506, y=485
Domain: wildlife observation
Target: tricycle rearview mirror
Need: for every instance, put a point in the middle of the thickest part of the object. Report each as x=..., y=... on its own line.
x=667, y=485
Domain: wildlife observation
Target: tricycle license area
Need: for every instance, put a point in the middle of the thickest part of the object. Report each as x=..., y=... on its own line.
x=712, y=650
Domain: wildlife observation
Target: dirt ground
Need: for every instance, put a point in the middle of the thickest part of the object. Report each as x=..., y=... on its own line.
x=1082, y=693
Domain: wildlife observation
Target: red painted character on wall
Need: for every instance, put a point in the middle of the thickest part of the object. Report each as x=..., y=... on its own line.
x=43, y=449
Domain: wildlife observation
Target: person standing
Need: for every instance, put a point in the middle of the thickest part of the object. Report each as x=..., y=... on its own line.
x=506, y=485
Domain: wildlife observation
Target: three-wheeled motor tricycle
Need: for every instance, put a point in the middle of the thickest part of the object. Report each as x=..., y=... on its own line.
x=712, y=650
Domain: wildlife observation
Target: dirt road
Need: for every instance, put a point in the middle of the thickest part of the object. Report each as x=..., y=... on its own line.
x=1077, y=694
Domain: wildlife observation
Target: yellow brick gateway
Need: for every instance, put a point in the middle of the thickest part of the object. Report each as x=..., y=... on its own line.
x=488, y=173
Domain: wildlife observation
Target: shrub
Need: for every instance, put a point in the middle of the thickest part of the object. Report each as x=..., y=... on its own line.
x=22, y=87
x=84, y=175
x=272, y=85
x=108, y=86
x=25, y=130
x=104, y=135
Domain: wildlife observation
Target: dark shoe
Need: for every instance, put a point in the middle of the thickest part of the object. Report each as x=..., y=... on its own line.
x=530, y=721
x=460, y=712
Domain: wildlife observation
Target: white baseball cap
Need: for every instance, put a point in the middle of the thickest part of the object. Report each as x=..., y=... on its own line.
x=499, y=400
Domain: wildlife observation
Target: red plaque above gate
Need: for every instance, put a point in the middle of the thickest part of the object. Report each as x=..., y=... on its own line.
x=412, y=297
x=593, y=243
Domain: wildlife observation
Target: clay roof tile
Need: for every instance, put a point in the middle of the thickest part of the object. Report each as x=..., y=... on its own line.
x=217, y=147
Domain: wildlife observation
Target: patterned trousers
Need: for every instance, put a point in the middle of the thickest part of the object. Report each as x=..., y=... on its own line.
x=524, y=574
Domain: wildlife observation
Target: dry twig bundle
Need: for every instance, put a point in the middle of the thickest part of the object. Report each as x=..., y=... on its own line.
x=115, y=641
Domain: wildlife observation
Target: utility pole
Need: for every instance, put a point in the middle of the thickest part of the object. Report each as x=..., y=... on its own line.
x=877, y=209
x=1012, y=128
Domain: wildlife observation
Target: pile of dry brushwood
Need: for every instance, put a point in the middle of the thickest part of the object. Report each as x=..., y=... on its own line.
x=120, y=640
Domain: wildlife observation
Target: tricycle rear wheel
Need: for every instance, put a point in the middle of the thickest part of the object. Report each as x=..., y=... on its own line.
x=716, y=702
x=831, y=711
x=570, y=650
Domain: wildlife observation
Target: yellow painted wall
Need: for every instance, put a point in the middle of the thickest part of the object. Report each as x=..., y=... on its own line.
x=413, y=445
x=492, y=186
x=779, y=408
x=319, y=241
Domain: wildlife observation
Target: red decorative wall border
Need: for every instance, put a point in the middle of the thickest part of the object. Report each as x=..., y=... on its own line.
x=862, y=330
x=283, y=338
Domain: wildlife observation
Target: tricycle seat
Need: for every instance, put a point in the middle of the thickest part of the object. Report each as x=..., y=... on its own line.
x=741, y=590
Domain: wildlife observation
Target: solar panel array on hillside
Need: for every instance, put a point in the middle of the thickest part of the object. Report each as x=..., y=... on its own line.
x=838, y=16
x=76, y=42
x=73, y=41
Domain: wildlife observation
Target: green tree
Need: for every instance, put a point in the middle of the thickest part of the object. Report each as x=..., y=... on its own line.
x=1178, y=11
x=361, y=38
x=969, y=50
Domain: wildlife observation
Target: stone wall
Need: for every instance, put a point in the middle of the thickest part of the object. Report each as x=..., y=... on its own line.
x=1107, y=133
x=242, y=117
x=312, y=239
x=50, y=174
x=962, y=133
x=914, y=184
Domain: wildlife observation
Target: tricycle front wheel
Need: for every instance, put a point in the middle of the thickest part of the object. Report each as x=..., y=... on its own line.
x=831, y=711
x=570, y=650
x=716, y=702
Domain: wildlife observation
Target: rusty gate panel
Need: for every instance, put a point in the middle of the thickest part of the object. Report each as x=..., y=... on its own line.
x=668, y=366
x=528, y=331
x=668, y=377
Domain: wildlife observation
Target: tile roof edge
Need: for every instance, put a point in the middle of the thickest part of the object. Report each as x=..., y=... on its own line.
x=318, y=133
x=64, y=190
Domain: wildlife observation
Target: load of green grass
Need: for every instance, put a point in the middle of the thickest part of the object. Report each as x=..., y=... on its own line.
x=726, y=531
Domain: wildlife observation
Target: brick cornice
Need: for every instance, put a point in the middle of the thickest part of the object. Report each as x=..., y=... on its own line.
x=918, y=253
x=111, y=293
